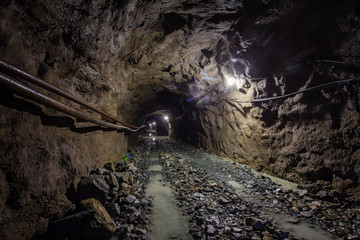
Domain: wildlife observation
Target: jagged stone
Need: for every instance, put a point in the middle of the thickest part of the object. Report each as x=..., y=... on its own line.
x=93, y=186
x=210, y=230
x=113, y=182
x=99, y=225
x=110, y=167
x=113, y=209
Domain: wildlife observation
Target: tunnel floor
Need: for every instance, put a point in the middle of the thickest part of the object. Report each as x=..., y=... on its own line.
x=170, y=190
x=166, y=219
x=222, y=199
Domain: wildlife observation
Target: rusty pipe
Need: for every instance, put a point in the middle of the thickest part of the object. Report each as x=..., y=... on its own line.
x=14, y=71
x=40, y=98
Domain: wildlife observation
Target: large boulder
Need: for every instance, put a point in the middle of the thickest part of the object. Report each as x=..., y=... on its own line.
x=93, y=186
x=99, y=225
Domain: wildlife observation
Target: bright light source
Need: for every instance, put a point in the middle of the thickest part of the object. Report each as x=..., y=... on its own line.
x=153, y=139
x=154, y=123
x=166, y=118
x=150, y=134
x=230, y=81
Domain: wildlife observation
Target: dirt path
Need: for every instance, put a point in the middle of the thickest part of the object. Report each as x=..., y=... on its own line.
x=166, y=221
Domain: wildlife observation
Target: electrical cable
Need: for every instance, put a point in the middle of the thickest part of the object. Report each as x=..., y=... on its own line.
x=297, y=92
x=40, y=98
x=332, y=61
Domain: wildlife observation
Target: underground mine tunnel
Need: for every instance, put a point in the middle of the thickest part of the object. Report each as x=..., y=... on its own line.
x=155, y=119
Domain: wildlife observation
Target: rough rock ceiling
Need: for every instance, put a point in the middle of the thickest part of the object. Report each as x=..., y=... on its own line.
x=187, y=47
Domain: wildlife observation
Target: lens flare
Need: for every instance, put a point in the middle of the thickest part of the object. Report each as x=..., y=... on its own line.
x=198, y=104
x=208, y=78
x=230, y=81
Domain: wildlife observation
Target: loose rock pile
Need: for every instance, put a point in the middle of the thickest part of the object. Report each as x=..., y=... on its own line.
x=335, y=212
x=216, y=211
x=112, y=203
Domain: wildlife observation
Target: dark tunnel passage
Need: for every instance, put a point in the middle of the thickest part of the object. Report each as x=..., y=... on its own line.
x=179, y=119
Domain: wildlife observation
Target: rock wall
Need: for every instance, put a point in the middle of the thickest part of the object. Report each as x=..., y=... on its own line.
x=277, y=49
x=43, y=152
x=42, y=157
x=305, y=143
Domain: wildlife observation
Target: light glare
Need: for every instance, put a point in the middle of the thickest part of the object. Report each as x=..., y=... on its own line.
x=230, y=81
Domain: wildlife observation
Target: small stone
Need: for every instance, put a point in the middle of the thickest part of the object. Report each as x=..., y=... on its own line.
x=119, y=175
x=303, y=192
x=131, y=218
x=210, y=229
x=283, y=235
x=255, y=237
x=267, y=236
x=113, y=209
x=110, y=166
x=130, y=199
x=306, y=214
x=315, y=205
x=227, y=229
x=249, y=228
x=130, y=167
x=223, y=201
x=238, y=235
x=142, y=231
x=198, y=195
x=293, y=220
x=113, y=183
x=295, y=209
x=278, y=190
x=259, y=226
x=130, y=228
x=250, y=221
x=322, y=194
x=214, y=220
x=270, y=196
x=353, y=237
